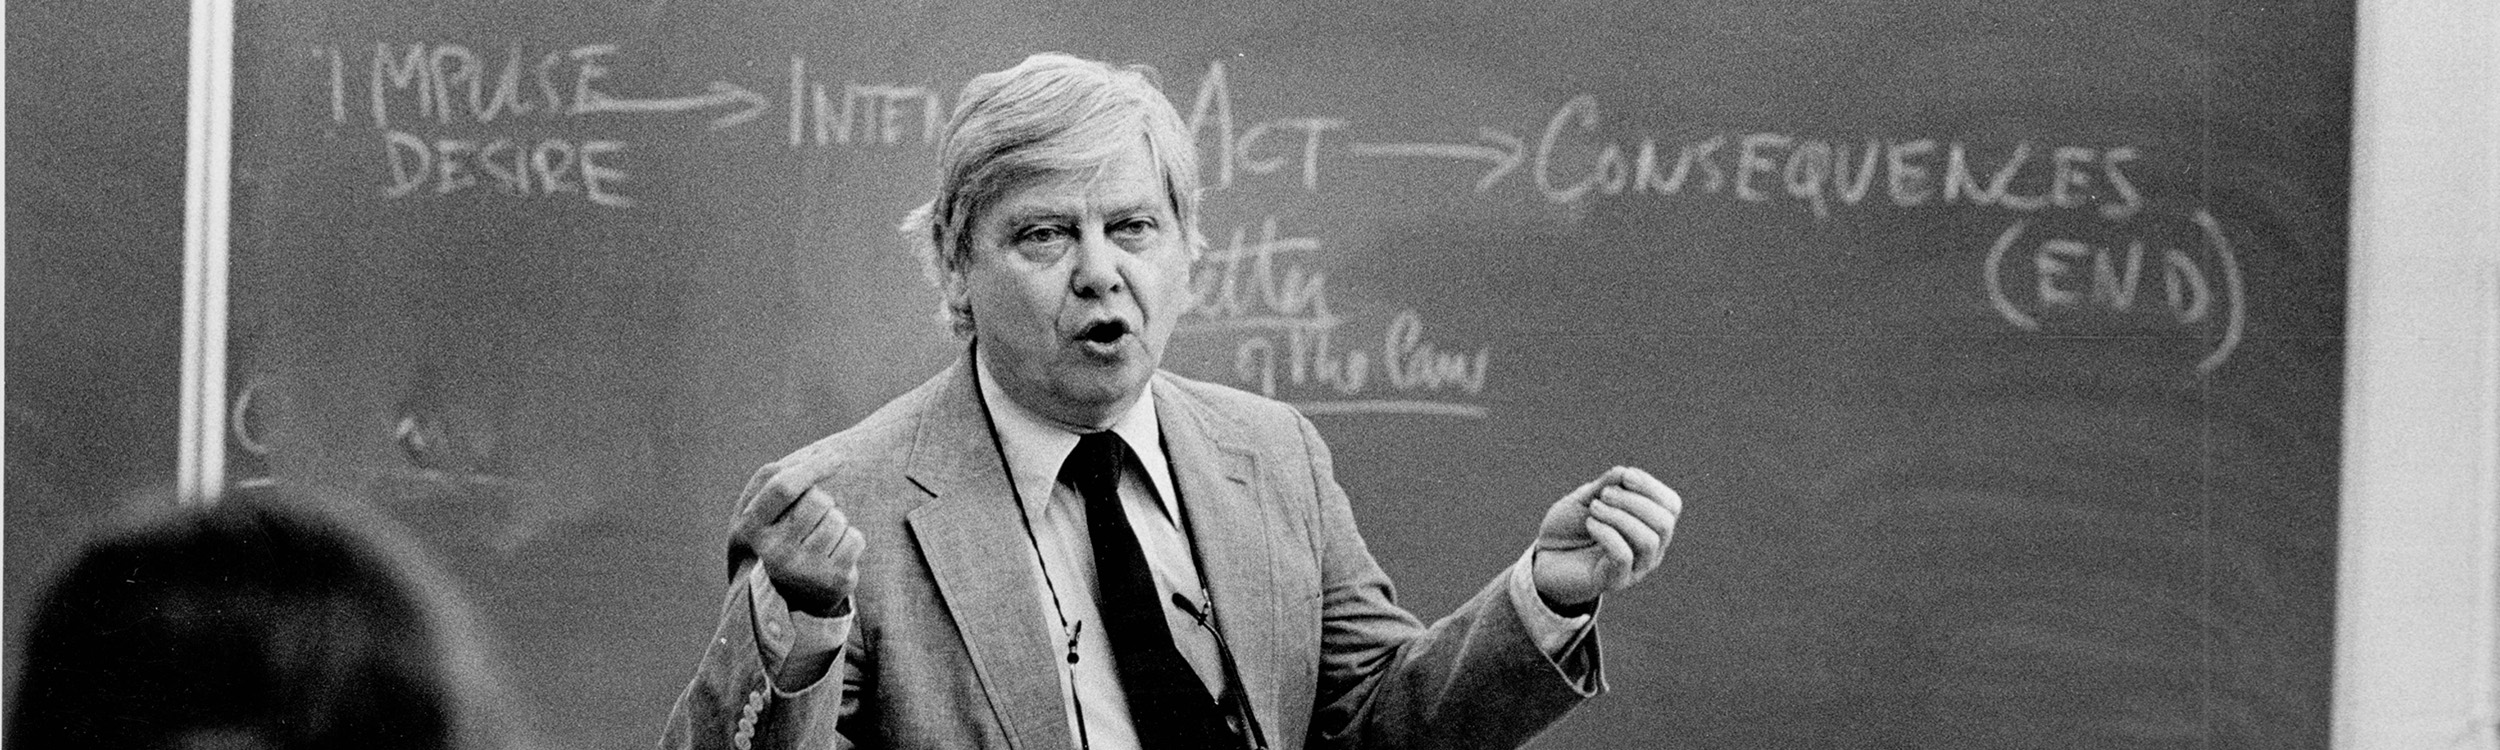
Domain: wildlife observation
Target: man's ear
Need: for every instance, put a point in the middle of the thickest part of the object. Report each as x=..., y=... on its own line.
x=956, y=291
x=1194, y=248
x=1188, y=283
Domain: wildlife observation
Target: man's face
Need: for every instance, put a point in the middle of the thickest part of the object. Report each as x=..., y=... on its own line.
x=1075, y=283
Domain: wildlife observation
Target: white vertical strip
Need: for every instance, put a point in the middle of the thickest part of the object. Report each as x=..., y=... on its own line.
x=2486, y=687
x=2416, y=636
x=206, y=164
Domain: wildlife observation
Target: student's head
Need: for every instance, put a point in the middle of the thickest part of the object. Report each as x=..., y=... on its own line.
x=258, y=621
x=1064, y=229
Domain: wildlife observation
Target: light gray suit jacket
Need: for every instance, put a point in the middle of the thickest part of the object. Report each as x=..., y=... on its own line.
x=951, y=648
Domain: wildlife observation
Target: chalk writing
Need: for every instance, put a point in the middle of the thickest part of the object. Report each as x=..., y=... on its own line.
x=1820, y=174
x=406, y=88
x=1413, y=364
x=504, y=166
x=885, y=114
x=1268, y=293
x=439, y=79
x=452, y=83
x=1271, y=291
x=1243, y=286
x=2067, y=278
x=717, y=93
x=1213, y=105
x=1238, y=147
x=419, y=84
x=1504, y=155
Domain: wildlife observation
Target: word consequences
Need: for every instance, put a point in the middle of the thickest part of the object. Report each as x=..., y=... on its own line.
x=1268, y=293
x=519, y=122
x=1763, y=167
x=1564, y=165
x=402, y=87
x=2044, y=284
x=1567, y=163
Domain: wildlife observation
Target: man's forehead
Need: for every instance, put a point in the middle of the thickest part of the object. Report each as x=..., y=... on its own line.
x=1120, y=184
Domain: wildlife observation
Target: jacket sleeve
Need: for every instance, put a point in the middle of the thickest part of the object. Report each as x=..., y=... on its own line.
x=1474, y=679
x=732, y=704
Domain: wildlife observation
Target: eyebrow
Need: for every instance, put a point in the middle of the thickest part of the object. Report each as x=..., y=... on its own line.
x=1153, y=205
x=1036, y=214
x=1028, y=214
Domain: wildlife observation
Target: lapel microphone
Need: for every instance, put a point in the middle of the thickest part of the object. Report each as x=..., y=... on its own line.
x=1232, y=670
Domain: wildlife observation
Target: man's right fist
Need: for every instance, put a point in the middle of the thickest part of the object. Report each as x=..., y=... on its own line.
x=808, y=549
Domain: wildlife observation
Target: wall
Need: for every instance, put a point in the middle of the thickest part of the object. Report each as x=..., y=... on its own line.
x=2418, y=644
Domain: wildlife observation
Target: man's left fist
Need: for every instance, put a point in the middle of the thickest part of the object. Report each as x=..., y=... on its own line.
x=1604, y=536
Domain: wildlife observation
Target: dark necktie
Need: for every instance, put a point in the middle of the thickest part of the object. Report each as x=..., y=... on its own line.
x=1166, y=702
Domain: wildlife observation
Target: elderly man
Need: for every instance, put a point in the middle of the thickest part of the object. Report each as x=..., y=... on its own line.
x=1054, y=543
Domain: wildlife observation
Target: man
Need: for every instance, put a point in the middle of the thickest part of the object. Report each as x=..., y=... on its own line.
x=1055, y=544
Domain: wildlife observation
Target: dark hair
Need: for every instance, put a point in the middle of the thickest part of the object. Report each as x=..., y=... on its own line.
x=257, y=621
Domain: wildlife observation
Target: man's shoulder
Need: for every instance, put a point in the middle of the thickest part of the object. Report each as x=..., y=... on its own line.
x=878, y=440
x=1227, y=407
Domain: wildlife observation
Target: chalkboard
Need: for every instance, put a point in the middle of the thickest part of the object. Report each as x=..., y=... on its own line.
x=1996, y=346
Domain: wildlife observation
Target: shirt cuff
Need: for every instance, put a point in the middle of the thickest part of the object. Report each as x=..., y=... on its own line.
x=1553, y=633
x=783, y=637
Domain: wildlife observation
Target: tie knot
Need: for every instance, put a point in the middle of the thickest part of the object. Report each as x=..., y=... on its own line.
x=1095, y=464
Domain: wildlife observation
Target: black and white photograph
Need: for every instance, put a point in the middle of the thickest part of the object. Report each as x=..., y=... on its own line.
x=794, y=374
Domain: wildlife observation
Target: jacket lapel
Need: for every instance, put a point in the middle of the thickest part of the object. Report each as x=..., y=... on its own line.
x=1234, y=538
x=975, y=545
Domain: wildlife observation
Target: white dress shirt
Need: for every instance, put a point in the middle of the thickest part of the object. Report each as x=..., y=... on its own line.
x=1097, y=708
x=1063, y=547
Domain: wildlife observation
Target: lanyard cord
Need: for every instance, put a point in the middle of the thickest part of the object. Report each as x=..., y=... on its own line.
x=1076, y=700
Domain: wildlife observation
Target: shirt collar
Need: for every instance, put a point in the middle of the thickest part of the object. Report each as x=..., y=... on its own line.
x=1035, y=448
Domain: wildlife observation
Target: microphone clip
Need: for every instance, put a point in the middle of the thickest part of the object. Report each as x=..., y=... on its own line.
x=1256, y=737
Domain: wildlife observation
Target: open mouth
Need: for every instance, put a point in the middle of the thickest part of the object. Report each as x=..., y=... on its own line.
x=1104, y=332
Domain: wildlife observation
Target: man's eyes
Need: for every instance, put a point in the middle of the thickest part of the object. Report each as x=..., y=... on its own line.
x=1042, y=235
x=1134, y=227
x=1056, y=234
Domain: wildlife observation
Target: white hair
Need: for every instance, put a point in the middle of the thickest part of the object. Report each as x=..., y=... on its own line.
x=1048, y=116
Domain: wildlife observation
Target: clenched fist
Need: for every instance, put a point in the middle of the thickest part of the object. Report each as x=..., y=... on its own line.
x=1604, y=536
x=808, y=549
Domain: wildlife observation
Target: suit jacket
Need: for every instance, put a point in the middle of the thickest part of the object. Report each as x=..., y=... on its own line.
x=951, y=648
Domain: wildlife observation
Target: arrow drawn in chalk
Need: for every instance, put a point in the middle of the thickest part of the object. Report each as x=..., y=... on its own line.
x=1505, y=153
x=719, y=94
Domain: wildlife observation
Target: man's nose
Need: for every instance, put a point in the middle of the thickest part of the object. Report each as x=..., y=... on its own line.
x=1097, y=272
